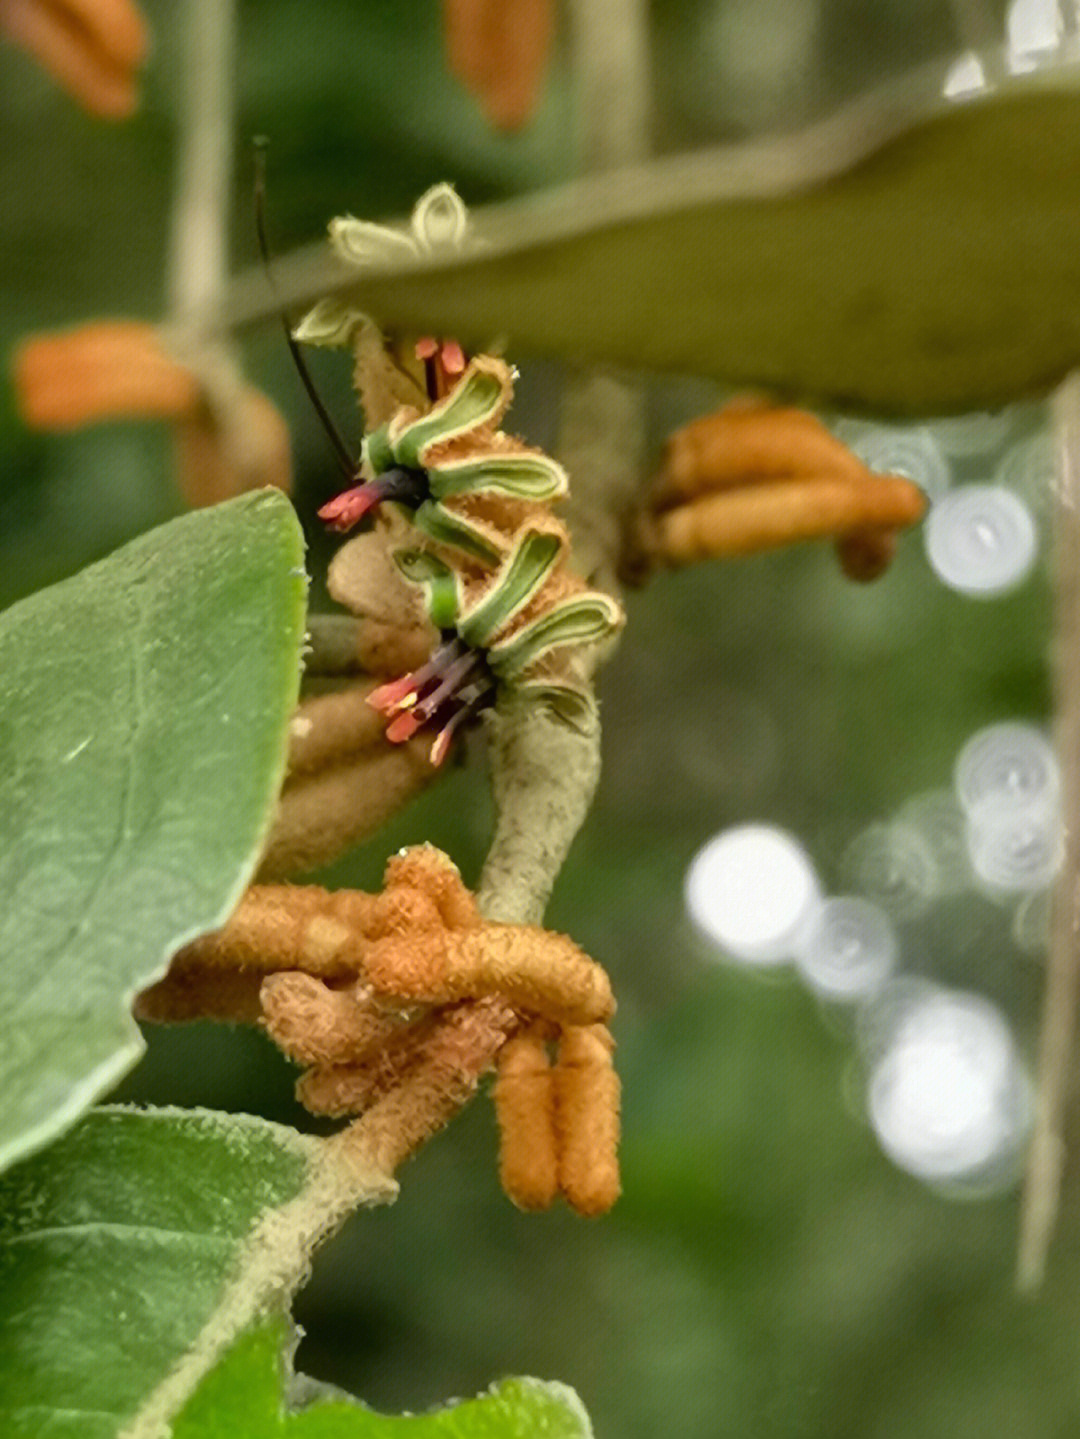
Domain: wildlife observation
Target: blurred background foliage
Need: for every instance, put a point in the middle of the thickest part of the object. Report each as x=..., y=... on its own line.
x=768, y=1271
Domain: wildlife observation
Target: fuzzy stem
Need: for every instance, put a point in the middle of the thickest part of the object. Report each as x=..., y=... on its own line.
x=543, y=775
x=1046, y=1156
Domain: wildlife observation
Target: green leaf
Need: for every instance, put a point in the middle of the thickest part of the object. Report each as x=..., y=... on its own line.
x=245, y=1398
x=909, y=254
x=143, y=1247
x=143, y=714
x=116, y=1246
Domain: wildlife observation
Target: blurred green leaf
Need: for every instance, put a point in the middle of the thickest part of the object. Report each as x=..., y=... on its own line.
x=143, y=711
x=243, y=1398
x=909, y=255
x=115, y=1247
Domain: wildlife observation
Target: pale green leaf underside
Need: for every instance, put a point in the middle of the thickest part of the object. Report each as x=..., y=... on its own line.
x=116, y=1244
x=909, y=255
x=143, y=714
x=244, y=1398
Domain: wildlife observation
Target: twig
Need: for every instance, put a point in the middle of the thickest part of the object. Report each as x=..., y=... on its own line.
x=1042, y=1182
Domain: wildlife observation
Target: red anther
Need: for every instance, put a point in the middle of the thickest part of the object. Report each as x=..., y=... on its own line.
x=346, y=509
x=453, y=358
x=402, y=727
x=441, y=746
x=427, y=348
x=387, y=697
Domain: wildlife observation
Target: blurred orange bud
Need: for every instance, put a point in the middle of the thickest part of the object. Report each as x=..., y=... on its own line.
x=220, y=454
x=120, y=370
x=499, y=50
x=106, y=370
x=93, y=48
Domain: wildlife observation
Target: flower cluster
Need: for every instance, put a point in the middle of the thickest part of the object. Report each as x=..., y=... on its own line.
x=479, y=538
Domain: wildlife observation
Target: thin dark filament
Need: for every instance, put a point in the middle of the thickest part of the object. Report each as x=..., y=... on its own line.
x=341, y=449
x=431, y=378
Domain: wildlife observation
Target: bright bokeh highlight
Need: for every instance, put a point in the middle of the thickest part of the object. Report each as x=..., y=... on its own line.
x=909, y=451
x=948, y=1097
x=1006, y=769
x=981, y=540
x=848, y=949
x=751, y=890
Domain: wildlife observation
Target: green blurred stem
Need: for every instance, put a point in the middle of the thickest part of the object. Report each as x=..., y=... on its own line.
x=979, y=29
x=331, y=646
x=1057, y=1040
x=198, y=265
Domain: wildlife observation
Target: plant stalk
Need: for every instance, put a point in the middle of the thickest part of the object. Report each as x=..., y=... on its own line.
x=1057, y=1041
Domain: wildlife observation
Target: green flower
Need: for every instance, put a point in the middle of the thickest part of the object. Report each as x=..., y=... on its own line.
x=416, y=463
x=476, y=659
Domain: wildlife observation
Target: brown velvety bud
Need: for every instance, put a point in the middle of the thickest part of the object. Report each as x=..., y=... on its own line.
x=524, y=1096
x=866, y=554
x=219, y=454
x=587, y=1119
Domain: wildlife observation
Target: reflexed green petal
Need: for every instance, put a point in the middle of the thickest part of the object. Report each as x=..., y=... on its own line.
x=441, y=586
x=378, y=452
x=449, y=528
x=362, y=243
x=479, y=397
x=518, y=580
x=573, y=704
x=521, y=476
x=331, y=322
x=439, y=219
x=582, y=620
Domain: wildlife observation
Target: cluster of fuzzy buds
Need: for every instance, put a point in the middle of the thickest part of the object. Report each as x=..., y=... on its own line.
x=396, y=1004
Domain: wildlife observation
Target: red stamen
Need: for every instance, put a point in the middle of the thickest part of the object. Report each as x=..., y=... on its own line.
x=450, y=679
x=427, y=348
x=388, y=697
x=346, y=509
x=441, y=746
x=453, y=358
x=402, y=727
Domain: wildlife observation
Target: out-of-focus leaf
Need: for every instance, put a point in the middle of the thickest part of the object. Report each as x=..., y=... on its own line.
x=245, y=1398
x=143, y=713
x=116, y=1245
x=910, y=254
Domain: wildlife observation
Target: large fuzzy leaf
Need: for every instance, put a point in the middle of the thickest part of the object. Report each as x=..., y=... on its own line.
x=911, y=254
x=143, y=715
x=146, y=1261
x=245, y=1398
x=116, y=1245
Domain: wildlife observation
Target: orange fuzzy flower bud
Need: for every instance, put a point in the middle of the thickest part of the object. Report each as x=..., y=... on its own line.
x=587, y=1119
x=524, y=1097
x=93, y=48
